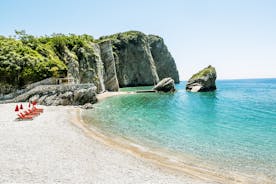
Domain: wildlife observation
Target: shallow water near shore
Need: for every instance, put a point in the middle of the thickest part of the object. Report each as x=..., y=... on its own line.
x=232, y=129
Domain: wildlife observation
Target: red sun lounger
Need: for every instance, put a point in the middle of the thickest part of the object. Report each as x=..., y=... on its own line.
x=23, y=117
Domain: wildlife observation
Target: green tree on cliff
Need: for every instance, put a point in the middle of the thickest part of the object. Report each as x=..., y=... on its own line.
x=25, y=58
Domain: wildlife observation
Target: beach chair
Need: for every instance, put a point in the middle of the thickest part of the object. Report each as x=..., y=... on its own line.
x=31, y=113
x=24, y=117
x=37, y=109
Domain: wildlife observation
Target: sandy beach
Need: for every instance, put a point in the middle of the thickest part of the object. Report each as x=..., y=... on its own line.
x=52, y=149
x=108, y=94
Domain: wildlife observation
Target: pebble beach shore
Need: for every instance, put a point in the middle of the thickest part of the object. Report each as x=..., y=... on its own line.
x=51, y=149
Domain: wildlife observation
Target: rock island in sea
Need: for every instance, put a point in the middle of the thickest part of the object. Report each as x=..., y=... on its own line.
x=203, y=81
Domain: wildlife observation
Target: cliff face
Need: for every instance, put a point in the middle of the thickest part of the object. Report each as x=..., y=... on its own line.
x=71, y=60
x=120, y=60
x=164, y=62
x=110, y=74
x=134, y=63
x=124, y=59
x=85, y=65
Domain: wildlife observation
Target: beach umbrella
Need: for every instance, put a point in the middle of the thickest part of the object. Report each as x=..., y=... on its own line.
x=16, y=108
x=34, y=103
x=21, y=106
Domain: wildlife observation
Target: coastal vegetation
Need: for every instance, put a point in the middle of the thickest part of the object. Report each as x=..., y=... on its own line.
x=204, y=72
x=25, y=58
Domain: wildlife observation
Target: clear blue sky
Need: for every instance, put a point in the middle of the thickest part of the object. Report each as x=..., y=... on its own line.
x=238, y=37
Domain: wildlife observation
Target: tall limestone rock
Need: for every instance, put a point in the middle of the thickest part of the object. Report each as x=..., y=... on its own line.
x=164, y=62
x=85, y=65
x=71, y=60
x=99, y=67
x=134, y=63
x=124, y=59
x=110, y=75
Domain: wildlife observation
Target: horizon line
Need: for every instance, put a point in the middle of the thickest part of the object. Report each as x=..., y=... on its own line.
x=239, y=79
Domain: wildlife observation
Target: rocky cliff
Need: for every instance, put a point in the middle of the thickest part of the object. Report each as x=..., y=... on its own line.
x=85, y=64
x=141, y=59
x=134, y=63
x=110, y=75
x=120, y=60
x=164, y=62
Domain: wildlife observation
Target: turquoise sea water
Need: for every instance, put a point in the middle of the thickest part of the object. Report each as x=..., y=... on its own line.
x=233, y=128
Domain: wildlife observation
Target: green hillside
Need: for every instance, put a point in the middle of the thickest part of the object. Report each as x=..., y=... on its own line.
x=25, y=59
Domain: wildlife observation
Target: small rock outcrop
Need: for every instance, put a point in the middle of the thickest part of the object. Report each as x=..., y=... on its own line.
x=75, y=94
x=165, y=85
x=87, y=106
x=203, y=81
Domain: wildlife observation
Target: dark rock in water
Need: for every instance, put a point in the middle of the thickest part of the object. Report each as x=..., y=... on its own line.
x=203, y=81
x=87, y=106
x=165, y=85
